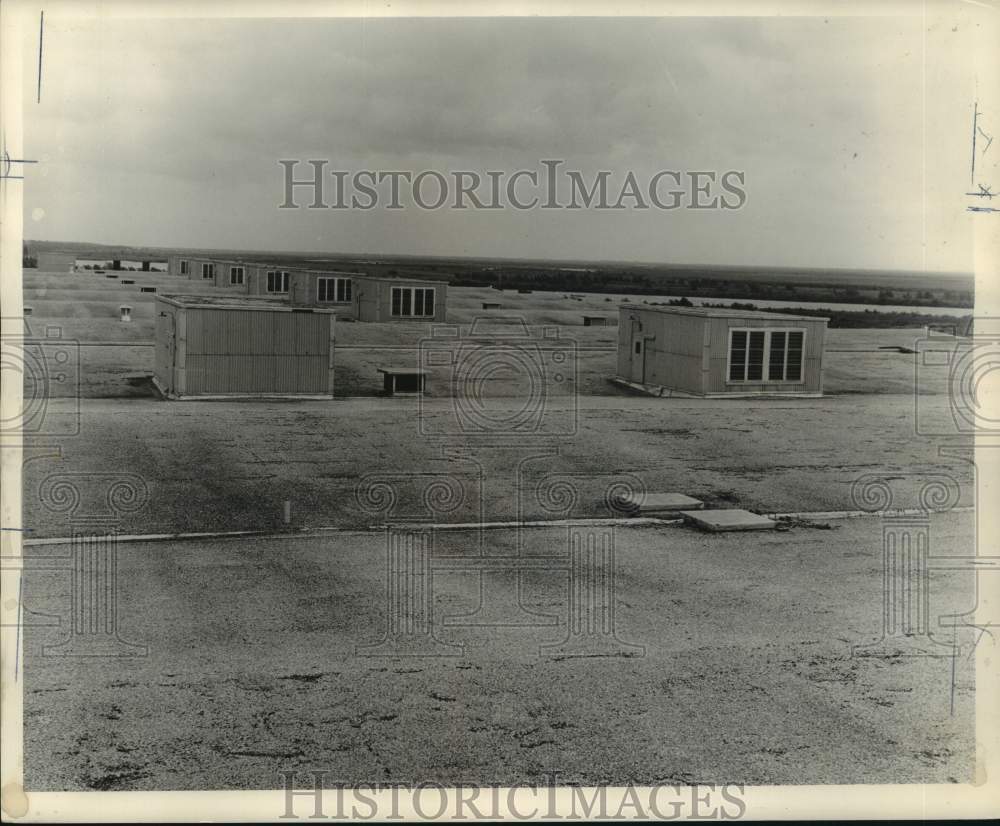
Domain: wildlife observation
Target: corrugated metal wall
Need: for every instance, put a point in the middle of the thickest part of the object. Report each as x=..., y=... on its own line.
x=672, y=349
x=163, y=358
x=237, y=351
x=676, y=356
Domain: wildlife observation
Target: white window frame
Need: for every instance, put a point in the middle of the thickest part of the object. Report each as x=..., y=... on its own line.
x=766, y=363
x=208, y=271
x=340, y=285
x=233, y=272
x=281, y=275
x=413, y=291
x=184, y=267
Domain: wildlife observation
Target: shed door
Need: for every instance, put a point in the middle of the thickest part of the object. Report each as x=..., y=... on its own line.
x=171, y=341
x=638, y=358
x=169, y=338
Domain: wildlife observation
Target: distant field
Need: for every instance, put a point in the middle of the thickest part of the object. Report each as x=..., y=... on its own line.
x=854, y=364
x=229, y=465
x=253, y=643
x=746, y=282
x=84, y=308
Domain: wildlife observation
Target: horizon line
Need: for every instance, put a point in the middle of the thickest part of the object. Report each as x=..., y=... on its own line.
x=549, y=261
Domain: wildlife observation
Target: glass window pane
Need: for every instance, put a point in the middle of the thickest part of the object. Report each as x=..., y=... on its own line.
x=396, y=300
x=429, y=303
x=418, y=302
x=794, y=372
x=794, y=357
x=738, y=356
x=755, y=356
x=776, y=357
x=407, y=308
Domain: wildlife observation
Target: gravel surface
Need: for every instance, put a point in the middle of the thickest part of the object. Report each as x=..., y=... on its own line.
x=747, y=674
x=231, y=465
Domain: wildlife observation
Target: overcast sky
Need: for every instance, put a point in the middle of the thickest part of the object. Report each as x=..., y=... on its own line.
x=168, y=133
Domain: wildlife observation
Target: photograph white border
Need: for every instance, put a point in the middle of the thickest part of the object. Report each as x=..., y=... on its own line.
x=19, y=23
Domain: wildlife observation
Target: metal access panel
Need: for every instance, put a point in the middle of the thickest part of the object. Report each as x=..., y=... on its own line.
x=206, y=350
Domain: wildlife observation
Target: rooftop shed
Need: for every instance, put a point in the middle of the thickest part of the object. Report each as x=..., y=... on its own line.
x=229, y=346
x=333, y=289
x=399, y=299
x=707, y=351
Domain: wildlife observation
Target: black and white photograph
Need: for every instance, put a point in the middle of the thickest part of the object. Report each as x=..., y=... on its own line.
x=499, y=412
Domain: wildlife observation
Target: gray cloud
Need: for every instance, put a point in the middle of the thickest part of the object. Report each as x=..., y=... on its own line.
x=168, y=132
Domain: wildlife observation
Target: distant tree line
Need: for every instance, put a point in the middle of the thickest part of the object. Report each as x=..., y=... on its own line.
x=856, y=319
x=642, y=283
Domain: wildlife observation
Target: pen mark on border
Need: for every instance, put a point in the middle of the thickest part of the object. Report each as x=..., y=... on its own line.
x=6, y=160
x=989, y=138
x=41, y=37
x=984, y=631
x=975, y=126
x=981, y=190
